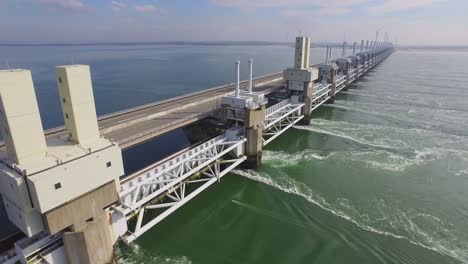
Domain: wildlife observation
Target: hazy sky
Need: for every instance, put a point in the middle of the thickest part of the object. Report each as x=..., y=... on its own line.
x=430, y=22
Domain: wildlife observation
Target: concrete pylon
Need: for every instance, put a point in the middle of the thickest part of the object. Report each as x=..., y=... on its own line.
x=20, y=122
x=348, y=74
x=300, y=79
x=66, y=191
x=344, y=65
x=90, y=244
x=332, y=81
x=253, y=132
x=307, y=99
x=248, y=108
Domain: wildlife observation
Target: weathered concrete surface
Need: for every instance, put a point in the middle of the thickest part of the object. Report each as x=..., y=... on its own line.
x=307, y=97
x=307, y=110
x=253, y=148
x=254, y=132
x=74, y=214
x=92, y=244
x=333, y=76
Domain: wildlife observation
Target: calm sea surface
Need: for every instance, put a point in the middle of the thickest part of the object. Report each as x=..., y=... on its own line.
x=381, y=176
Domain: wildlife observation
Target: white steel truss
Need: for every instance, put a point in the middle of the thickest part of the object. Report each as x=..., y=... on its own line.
x=175, y=182
x=321, y=94
x=279, y=118
x=353, y=75
x=340, y=83
x=360, y=70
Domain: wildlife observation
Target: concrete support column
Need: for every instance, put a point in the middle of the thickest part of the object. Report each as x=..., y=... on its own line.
x=332, y=81
x=253, y=133
x=91, y=243
x=308, y=96
x=348, y=76
x=86, y=226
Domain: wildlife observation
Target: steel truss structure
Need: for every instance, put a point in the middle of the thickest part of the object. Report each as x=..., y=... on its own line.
x=360, y=70
x=321, y=94
x=279, y=118
x=353, y=75
x=340, y=83
x=170, y=185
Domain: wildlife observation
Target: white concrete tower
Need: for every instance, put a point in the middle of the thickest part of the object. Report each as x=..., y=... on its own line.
x=301, y=76
x=21, y=128
x=301, y=57
x=20, y=122
x=79, y=111
x=61, y=186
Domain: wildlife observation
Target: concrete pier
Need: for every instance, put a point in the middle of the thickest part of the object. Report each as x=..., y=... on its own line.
x=248, y=108
x=253, y=133
x=300, y=79
x=92, y=243
x=344, y=66
x=328, y=73
x=308, y=98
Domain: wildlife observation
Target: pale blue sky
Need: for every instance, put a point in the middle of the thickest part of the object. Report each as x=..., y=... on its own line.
x=430, y=22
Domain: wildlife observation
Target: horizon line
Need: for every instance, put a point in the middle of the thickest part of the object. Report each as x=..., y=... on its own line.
x=217, y=43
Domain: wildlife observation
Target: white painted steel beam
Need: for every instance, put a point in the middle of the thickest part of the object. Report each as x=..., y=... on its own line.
x=164, y=186
x=279, y=118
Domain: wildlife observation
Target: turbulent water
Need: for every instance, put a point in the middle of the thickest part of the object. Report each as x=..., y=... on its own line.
x=381, y=176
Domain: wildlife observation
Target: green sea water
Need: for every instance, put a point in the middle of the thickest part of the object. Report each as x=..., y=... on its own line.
x=381, y=176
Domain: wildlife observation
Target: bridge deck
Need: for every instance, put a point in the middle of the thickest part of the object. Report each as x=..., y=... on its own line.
x=136, y=125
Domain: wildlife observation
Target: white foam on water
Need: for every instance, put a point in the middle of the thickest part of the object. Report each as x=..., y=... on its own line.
x=136, y=255
x=391, y=148
x=439, y=238
x=377, y=143
x=280, y=159
x=375, y=159
x=417, y=113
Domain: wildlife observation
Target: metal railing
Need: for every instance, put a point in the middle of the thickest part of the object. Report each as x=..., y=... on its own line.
x=164, y=186
x=279, y=118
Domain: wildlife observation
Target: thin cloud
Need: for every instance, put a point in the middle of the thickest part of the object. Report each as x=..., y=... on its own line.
x=243, y=4
x=317, y=12
x=117, y=6
x=65, y=4
x=146, y=9
x=399, y=5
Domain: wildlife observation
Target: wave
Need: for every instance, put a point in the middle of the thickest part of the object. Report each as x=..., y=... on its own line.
x=379, y=143
x=390, y=222
x=379, y=160
x=134, y=254
x=383, y=147
x=388, y=137
x=443, y=119
x=280, y=159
